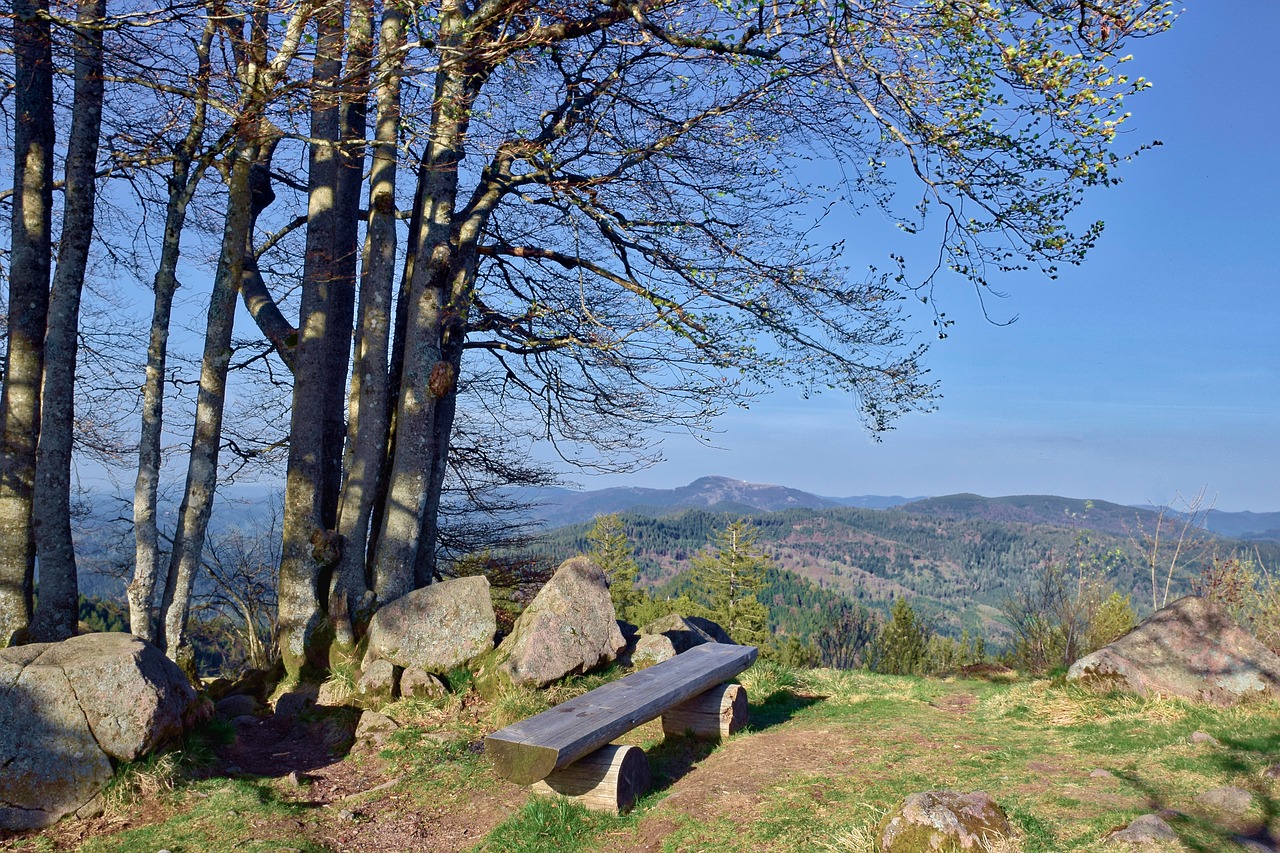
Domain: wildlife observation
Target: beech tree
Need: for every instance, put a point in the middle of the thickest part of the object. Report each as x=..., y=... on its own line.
x=590, y=214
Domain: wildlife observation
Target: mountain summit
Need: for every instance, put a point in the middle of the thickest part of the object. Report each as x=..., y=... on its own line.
x=556, y=507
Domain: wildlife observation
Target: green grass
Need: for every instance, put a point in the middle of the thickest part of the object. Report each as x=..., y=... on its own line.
x=551, y=825
x=852, y=746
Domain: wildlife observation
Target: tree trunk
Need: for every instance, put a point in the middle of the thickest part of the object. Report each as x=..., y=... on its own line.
x=367, y=414
x=182, y=187
x=202, y=468
x=58, y=610
x=310, y=545
x=426, y=376
x=29, y=260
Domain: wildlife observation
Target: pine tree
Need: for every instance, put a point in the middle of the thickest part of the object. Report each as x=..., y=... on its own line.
x=729, y=576
x=612, y=552
x=903, y=645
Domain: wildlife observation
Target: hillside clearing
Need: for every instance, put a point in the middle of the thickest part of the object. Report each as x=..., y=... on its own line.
x=827, y=755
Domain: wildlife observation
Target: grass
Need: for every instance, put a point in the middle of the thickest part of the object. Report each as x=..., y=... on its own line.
x=827, y=756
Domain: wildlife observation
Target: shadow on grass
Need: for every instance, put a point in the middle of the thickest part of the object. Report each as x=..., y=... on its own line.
x=1210, y=830
x=777, y=709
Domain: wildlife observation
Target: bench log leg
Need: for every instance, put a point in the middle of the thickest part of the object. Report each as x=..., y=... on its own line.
x=610, y=779
x=714, y=715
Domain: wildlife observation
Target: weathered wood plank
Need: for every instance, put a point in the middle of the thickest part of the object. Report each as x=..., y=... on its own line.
x=610, y=779
x=715, y=714
x=530, y=749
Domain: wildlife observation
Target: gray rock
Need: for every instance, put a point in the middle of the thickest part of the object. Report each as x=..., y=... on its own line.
x=240, y=705
x=685, y=632
x=651, y=649
x=436, y=628
x=1192, y=649
x=1101, y=774
x=1147, y=830
x=420, y=684
x=568, y=628
x=1204, y=737
x=293, y=703
x=936, y=820
x=67, y=709
x=378, y=682
x=1227, y=800
x=373, y=729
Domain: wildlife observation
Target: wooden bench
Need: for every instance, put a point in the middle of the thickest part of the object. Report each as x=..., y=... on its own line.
x=567, y=749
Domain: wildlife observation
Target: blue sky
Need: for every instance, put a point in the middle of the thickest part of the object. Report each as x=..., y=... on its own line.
x=1153, y=369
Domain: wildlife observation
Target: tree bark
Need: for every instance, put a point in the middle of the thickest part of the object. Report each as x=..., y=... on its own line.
x=367, y=420
x=29, y=263
x=310, y=544
x=58, y=610
x=202, y=468
x=182, y=187
x=426, y=376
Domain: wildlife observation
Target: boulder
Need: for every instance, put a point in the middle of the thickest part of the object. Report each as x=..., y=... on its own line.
x=239, y=705
x=419, y=684
x=943, y=820
x=651, y=649
x=1149, y=830
x=1191, y=649
x=436, y=628
x=378, y=683
x=685, y=632
x=68, y=709
x=568, y=628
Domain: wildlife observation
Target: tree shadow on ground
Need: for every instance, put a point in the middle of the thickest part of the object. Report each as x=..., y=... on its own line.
x=777, y=709
x=1210, y=830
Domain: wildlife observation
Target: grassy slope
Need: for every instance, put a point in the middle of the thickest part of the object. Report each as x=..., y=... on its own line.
x=827, y=754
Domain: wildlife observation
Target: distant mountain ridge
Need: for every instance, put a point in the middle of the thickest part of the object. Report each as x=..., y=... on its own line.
x=556, y=507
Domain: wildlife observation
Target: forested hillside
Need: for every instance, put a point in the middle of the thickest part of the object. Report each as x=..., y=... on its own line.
x=956, y=568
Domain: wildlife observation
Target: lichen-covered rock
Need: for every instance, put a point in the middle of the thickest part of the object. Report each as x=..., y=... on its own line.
x=1192, y=649
x=1149, y=831
x=377, y=683
x=419, y=684
x=943, y=821
x=651, y=649
x=67, y=709
x=436, y=628
x=568, y=628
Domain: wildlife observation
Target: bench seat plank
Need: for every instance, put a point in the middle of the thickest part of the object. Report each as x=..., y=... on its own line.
x=530, y=749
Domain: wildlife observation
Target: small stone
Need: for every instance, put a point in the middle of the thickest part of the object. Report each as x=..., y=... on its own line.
x=295, y=702
x=239, y=705
x=1204, y=737
x=1101, y=774
x=1144, y=830
x=935, y=820
x=378, y=681
x=1228, y=800
x=419, y=684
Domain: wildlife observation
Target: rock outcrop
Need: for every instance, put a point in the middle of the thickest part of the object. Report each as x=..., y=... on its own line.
x=68, y=709
x=943, y=820
x=568, y=628
x=436, y=628
x=1191, y=649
